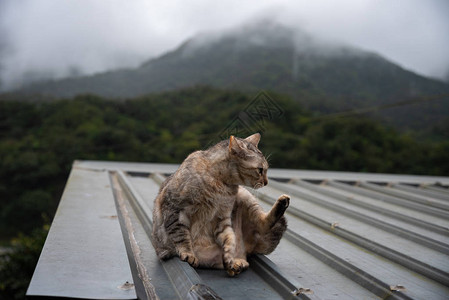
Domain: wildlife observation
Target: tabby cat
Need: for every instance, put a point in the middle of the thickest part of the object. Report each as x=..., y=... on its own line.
x=204, y=215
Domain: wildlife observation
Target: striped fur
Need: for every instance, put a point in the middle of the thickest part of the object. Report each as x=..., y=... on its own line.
x=203, y=215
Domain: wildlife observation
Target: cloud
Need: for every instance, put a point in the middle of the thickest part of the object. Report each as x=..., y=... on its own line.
x=412, y=33
x=55, y=39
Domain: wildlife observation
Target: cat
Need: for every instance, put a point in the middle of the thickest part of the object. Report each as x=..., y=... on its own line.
x=203, y=214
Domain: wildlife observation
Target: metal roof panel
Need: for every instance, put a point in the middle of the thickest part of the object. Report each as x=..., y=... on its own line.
x=350, y=235
x=84, y=255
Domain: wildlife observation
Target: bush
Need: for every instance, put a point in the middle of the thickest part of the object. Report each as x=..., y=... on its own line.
x=17, y=263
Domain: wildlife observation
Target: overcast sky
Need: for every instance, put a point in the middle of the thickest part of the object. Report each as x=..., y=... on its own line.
x=69, y=37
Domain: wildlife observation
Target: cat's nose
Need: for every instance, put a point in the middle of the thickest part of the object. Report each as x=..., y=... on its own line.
x=265, y=181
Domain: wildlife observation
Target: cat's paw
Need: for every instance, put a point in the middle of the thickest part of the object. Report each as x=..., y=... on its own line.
x=281, y=205
x=190, y=258
x=237, y=266
x=284, y=200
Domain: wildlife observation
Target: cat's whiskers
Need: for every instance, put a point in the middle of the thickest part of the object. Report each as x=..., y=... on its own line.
x=267, y=157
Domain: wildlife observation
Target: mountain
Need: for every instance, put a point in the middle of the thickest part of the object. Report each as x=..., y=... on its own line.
x=323, y=76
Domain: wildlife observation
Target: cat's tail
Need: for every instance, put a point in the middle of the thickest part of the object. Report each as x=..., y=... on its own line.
x=163, y=249
x=162, y=252
x=165, y=254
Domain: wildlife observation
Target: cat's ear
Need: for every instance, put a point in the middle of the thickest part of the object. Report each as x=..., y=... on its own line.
x=234, y=146
x=254, y=139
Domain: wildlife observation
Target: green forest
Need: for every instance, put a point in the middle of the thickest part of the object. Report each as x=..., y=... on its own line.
x=39, y=141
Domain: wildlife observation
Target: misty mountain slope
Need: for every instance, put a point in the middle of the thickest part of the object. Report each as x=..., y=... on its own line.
x=275, y=57
x=323, y=76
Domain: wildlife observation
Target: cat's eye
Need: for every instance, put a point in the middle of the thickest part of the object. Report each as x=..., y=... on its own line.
x=260, y=171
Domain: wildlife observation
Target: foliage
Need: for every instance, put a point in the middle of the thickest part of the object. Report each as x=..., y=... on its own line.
x=40, y=141
x=17, y=265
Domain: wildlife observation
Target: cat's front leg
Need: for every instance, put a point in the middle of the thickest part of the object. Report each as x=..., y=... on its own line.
x=177, y=226
x=225, y=237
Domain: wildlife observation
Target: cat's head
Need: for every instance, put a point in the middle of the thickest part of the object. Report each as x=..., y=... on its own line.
x=251, y=166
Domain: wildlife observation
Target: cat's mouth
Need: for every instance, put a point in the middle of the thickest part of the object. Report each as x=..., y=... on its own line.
x=258, y=186
x=261, y=183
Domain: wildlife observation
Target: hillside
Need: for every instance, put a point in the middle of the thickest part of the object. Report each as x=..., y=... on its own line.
x=40, y=140
x=324, y=77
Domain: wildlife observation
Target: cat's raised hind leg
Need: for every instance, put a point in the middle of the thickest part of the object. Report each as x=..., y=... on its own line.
x=277, y=211
x=263, y=231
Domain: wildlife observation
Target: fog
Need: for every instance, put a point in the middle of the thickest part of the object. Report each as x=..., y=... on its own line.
x=50, y=39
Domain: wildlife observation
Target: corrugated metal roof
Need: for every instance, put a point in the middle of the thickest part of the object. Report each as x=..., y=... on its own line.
x=350, y=236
